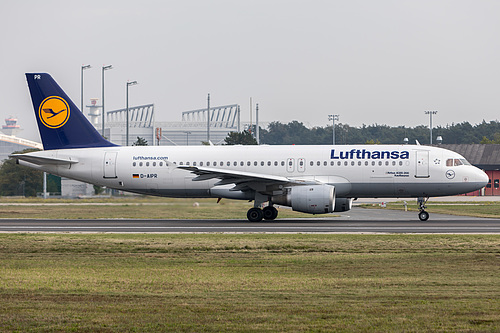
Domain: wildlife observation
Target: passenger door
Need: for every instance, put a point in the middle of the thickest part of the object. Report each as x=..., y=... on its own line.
x=110, y=165
x=422, y=164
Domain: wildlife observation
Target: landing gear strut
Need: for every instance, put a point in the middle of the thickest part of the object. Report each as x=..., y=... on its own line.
x=423, y=215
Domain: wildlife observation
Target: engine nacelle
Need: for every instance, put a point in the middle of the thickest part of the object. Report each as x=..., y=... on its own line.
x=312, y=199
x=343, y=204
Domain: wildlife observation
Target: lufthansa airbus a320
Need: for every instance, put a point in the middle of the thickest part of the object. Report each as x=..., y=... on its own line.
x=309, y=179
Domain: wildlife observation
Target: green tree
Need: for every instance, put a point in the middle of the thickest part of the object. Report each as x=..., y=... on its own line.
x=243, y=138
x=21, y=180
x=140, y=142
x=496, y=139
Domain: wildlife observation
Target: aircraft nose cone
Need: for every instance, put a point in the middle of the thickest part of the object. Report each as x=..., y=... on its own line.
x=482, y=177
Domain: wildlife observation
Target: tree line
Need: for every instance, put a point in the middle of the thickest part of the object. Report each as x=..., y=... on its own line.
x=297, y=133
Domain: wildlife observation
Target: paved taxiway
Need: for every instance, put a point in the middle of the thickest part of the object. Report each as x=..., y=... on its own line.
x=357, y=220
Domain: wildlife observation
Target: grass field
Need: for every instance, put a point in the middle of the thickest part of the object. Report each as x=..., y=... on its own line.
x=249, y=283
x=463, y=208
x=170, y=208
x=134, y=207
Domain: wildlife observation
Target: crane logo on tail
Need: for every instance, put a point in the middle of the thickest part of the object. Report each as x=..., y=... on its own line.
x=54, y=112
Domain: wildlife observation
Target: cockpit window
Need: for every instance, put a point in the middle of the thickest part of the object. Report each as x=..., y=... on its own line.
x=456, y=162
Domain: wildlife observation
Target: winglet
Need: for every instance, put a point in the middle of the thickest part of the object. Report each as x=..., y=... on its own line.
x=60, y=122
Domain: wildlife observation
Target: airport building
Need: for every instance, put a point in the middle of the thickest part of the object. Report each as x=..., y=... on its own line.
x=10, y=143
x=191, y=130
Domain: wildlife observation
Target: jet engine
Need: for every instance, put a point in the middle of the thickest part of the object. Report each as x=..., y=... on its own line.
x=312, y=199
x=343, y=204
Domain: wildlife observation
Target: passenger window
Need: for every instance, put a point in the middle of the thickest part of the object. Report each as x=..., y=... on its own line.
x=380, y=163
x=325, y=163
x=282, y=163
x=339, y=163
x=386, y=163
x=275, y=163
x=242, y=163
x=154, y=163
x=215, y=164
x=393, y=162
x=262, y=163
x=345, y=163
x=235, y=163
x=194, y=163
x=311, y=163
x=147, y=163
x=332, y=163
x=268, y=163
x=187, y=163
x=248, y=163
x=352, y=163
x=221, y=163
x=318, y=163
x=373, y=163
x=290, y=163
x=301, y=163
x=359, y=163
x=208, y=163
x=201, y=163
x=133, y=164
x=255, y=163
x=366, y=163
x=400, y=163
x=140, y=163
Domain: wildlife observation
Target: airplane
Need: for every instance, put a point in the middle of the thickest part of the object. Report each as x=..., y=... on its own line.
x=311, y=179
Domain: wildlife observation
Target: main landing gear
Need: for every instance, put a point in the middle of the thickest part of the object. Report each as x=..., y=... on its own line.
x=423, y=215
x=256, y=214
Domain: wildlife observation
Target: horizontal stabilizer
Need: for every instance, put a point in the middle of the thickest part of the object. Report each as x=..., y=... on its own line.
x=42, y=160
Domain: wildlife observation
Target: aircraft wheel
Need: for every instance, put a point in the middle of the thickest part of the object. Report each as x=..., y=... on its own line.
x=270, y=213
x=255, y=214
x=423, y=215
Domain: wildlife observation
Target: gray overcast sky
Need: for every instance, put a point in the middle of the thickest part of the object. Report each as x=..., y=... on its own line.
x=369, y=61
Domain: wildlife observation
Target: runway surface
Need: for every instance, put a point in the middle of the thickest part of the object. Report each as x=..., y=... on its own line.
x=357, y=220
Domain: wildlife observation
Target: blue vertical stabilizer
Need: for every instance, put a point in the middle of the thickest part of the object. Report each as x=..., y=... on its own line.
x=61, y=124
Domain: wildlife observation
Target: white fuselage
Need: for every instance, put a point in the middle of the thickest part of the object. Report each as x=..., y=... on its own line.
x=354, y=170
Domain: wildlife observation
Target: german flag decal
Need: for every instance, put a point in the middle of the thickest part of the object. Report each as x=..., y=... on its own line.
x=135, y=175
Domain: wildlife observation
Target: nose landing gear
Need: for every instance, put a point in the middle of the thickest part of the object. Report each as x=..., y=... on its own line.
x=423, y=215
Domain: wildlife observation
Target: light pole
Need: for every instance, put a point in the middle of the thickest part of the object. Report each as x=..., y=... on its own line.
x=333, y=117
x=84, y=67
x=129, y=83
x=430, y=113
x=104, y=68
x=187, y=138
x=257, y=133
x=208, y=119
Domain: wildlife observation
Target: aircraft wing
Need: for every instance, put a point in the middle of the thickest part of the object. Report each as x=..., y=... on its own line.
x=43, y=160
x=243, y=180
